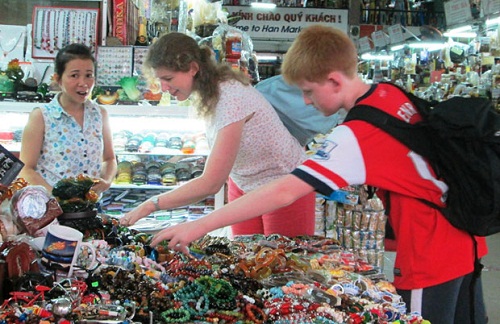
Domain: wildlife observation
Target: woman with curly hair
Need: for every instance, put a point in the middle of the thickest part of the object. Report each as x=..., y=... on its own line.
x=249, y=143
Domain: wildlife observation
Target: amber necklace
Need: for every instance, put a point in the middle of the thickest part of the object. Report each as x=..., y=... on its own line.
x=7, y=52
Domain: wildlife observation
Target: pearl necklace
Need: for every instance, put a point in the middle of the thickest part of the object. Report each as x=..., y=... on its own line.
x=7, y=52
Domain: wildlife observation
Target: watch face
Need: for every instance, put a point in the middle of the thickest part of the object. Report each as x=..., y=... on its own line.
x=155, y=202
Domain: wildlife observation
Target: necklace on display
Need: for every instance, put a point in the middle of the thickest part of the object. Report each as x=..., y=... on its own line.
x=45, y=33
x=50, y=32
x=7, y=52
x=92, y=33
x=88, y=24
x=38, y=30
x=56, y=30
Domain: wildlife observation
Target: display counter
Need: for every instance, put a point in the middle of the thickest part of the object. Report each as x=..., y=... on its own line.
x=177, y=121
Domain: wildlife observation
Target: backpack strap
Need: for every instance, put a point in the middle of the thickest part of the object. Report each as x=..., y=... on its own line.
x=414, y=136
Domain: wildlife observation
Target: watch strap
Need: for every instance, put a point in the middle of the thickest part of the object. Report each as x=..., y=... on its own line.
x=155, y=202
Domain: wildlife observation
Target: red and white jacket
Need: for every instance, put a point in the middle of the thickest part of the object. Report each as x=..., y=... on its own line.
x=429, y=250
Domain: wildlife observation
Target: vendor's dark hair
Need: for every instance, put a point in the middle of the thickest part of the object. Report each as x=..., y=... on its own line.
x=176, y=51
x=69, y=53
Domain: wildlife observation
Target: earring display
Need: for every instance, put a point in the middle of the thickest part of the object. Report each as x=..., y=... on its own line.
x=139, y=56
x=56, y=27
x=113, y=63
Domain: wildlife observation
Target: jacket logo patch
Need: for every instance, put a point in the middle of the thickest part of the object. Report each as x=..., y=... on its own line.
x=323, y=152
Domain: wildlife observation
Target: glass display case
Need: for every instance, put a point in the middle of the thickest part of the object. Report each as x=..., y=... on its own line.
x=166, y=143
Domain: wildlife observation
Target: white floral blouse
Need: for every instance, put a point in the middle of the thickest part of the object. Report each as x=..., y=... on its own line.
x=67, y=149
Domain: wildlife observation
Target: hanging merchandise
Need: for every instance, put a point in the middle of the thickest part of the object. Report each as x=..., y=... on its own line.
x=457, y=54
x=167, y=16
x=12, y=40
x=54, y=28
x=235, y=47
x=205, y=17
x=355, y=217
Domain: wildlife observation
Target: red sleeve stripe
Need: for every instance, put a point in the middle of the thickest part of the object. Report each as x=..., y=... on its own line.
x=326, y=175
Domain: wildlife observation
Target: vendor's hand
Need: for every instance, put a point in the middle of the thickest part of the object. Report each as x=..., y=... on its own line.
x=100, y=185
x=179, y=236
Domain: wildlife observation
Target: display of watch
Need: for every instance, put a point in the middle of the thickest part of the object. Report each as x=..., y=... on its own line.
x=155, y=202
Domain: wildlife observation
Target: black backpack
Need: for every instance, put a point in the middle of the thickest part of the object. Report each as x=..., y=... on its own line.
x=460, y=137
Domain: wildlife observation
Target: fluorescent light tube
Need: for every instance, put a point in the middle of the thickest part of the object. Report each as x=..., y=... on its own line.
x=461, y=34
x=427, y=45
x=369, y=56
x=460, y=29
x=493, y=21
x=397, y=47
x=265, y=5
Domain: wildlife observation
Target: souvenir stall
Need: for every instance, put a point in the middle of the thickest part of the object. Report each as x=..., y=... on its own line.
x=109, y=274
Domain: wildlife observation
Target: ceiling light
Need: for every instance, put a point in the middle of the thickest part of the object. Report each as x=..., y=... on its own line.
x=265, y=5
x=460, y=29
x=493, y=21
x=427, y=45
x=267, y=58
x=397, y=47
x=379, y=57
x=460, y=35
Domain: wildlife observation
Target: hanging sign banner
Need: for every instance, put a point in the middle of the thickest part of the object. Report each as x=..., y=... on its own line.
x=395, y=34
x=364, y=44
x=457, y=11
x=285, y=22
x=489, y=7
x=379, y=38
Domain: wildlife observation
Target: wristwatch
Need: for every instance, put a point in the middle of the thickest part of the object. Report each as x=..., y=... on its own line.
x=155, y=202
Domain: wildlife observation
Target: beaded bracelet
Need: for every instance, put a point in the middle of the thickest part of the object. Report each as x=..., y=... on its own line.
x=176, y=315
x=191, y=291
x=202, y=305
x=221, y=292
x=253, y=311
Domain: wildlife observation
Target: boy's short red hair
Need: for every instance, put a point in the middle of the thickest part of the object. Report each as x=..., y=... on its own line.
x=317, y=51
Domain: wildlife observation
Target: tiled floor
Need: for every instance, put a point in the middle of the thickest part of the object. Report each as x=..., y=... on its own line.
x=490, y=277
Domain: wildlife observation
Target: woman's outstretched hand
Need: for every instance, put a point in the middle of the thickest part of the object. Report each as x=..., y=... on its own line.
x=180, y=236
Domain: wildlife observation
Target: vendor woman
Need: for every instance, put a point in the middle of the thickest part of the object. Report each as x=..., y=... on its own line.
x=71, y=134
